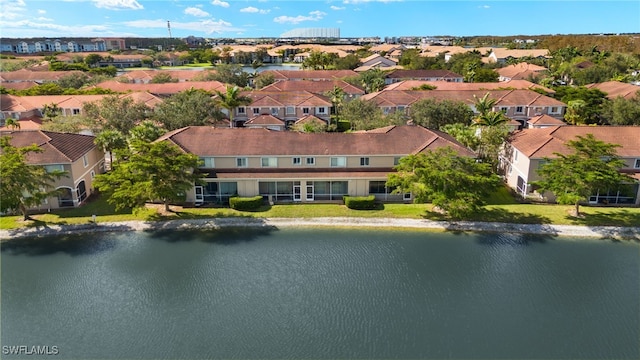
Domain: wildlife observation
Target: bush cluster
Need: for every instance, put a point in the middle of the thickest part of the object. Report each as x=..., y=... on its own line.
x=245, y=203
x=360, y=202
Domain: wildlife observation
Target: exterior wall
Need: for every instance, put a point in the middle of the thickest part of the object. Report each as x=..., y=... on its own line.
x=286, y=162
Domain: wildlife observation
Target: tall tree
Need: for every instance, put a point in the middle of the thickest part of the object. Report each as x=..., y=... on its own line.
x=362, y=114
x=230, y=100
x=484, y=104
x=116, y=113
x=146, y=131
x=336, y=95
x=23, y=185
x=193, y=107
x=151, y=171
x=491, y=118
x=593, y=165
x=434, y=114
x=12, y=123
x=372, y=80
x=457, y=184
x=110, y=140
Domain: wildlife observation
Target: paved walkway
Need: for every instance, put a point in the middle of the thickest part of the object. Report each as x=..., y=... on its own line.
x=632, y=233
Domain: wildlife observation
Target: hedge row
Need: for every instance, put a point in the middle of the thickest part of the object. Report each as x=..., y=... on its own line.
x=245, y=203
x=360, y=202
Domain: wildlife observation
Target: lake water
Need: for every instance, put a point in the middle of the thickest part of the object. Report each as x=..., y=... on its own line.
x=322, y=294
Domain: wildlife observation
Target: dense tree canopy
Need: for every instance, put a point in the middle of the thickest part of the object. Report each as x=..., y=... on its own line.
x=592, y=165
x=158, y=171
x=621, y=111
x=456, y=184
x=23, y=185
x=434, y=114
x=116, y=113
x=192, y=107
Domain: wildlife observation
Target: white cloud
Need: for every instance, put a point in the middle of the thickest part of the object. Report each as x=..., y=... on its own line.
x=315, y=16
x=42, y=18
x=28, y=28
x=40, y=11
x=196, y=12
x=252, y=9
x=12, y=9
x=333, y=7
x=368, y=1
x=224, y=4
x=207, y=26
x=118, y=4
x=484, y=6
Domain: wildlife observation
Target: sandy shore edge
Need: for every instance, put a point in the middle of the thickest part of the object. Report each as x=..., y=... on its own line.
x=611, y=232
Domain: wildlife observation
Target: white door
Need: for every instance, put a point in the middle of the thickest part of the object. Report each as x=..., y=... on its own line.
x=297, y=195
x=199, y=195
x=309, y=192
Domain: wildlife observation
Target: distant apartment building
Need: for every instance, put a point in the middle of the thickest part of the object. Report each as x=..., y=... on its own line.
x=33, y=46
x=312, y=33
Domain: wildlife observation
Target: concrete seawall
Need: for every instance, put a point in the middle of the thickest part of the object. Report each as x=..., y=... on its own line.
x=612, y=232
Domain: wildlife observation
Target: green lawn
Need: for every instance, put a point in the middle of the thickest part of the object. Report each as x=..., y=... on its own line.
x=503, y=209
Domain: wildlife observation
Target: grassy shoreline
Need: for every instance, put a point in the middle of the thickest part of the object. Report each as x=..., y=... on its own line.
x=514, y=213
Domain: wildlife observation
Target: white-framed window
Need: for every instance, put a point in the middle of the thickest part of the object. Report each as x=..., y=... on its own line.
x=386, y=110
x=296, y=160
x=515, y=155
x=519, y=109
x=274, y=111
x=207, y=162
x=504, y=109
x=256, y=111
x=85, y=160
x=93, y=174
x=241, y=110
x=241, y=162
x=322, y=110
x=52, y=168
x=269, y=162
x=364, y=161
x=305, y=110
x=396, y=160
x=311, y=161
x=637, y=164
x=76, y=111
x=554, y=110
x=338, y=161
x=291, y=110
x=401, y=108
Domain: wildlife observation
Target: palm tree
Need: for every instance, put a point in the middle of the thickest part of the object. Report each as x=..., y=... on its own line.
x=109, y=140
x=51, y=110
x=336, y=95
x=484, y=104
x=230, y=100
x=491, y=118
x=12, y=123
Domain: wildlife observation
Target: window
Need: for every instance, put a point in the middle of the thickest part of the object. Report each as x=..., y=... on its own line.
x=76, y=111
x=207, y=163
x=241, y=110
x=330, y=190
x=93, y=174
x=291, y=110
x=85, y=160
x=338, y=161
x=519, y=109
x=311, y=161
x=241, y=162
x=322, y=110
x=377, y=187
x=277, y=190
x=396, y=160
x=305, y=111
x=52, y=168
x=364, y=161
x=274, y=111
x=269, y=162
x=637, y=164
x=401, y=108
x=296, y=161
x=386, y=110
x=554, y=110
x=515, y=155
x=504, y=109
x=256, y=111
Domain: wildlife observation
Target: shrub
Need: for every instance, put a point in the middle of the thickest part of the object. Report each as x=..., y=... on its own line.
x=245, y=203
x=360, y=202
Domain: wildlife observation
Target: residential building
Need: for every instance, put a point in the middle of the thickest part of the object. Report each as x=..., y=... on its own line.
x=75, y=154
x=616, y=89
x=287, y=166
x=310, y=74
x=315, y=87
x=521, y=71
x=288, y=106
x=502, y=55
x=526, y=151
x=446, y=85
x=424, y=75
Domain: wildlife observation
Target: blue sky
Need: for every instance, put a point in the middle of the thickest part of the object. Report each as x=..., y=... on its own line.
x=355, y=18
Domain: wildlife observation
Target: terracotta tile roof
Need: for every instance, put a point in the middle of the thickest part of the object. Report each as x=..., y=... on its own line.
x=377, y=66
x=162, y=89
x=316, y=87
x=520, y=70
x=398, y=140
x=540, y=143
x=616, y=88
x=25, y=124
x=542, y=120
x=264, y=119
x=286, y=98
x=310, y=74
x=310, y=119
x=446, y=85
x=418, y=74
x=22, y=85
x=38, y=76
x=503, y=53
x=57, y=147
x=148, y=75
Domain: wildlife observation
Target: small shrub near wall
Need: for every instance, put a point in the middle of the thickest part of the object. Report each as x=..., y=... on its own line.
x=245, y=203
x=360, y=202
